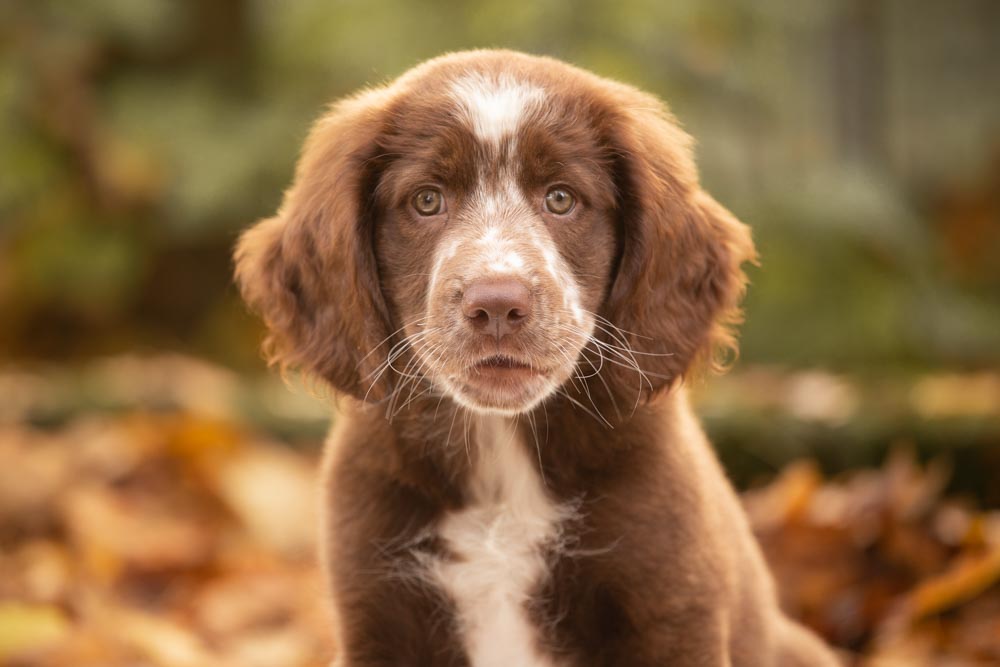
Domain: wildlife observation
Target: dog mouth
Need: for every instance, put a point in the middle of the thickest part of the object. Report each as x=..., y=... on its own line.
x=504, y=372
x=503, y=369
x=501, y=363
x=502, y=382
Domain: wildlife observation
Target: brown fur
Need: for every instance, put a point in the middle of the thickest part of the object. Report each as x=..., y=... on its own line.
x=661, y=567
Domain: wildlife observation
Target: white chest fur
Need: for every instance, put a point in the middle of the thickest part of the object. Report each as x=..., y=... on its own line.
x=497, y=543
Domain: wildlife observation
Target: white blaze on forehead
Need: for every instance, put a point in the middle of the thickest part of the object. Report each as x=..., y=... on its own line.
x=495, y=106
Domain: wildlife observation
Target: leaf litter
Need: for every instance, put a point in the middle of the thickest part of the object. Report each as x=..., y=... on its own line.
x=176, y=539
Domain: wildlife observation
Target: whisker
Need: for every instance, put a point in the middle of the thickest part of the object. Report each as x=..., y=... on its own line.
x=454, y=414
x=604, y=320
x=607, y=389
x=538, y=448
x=468, y=450
x=394, y=353
x=626, y=345
x=423, y=378
x=415, y=322
x=598, y=416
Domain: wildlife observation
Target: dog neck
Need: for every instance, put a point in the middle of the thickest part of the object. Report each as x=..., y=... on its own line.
x=571, y=439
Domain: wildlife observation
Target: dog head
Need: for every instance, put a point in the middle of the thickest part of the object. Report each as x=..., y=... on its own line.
x=496, y=227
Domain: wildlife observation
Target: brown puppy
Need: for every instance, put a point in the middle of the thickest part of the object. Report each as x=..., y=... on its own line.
x=506, y=265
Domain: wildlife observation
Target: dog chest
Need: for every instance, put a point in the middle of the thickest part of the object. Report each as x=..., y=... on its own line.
x=497, y=547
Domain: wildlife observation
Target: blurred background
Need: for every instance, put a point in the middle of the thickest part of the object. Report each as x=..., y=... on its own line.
x=859, y=138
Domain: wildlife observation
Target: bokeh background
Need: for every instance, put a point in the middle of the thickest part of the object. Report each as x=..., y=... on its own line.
x=859, y=138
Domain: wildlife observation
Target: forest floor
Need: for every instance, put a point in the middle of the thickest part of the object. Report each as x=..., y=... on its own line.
x=173, y=537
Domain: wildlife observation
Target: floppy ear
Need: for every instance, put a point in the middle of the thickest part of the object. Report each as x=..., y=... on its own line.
x=679, y=282
x=310, y=271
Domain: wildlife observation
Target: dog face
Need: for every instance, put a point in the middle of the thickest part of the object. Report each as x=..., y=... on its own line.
x=492, y=227
x=495, y=238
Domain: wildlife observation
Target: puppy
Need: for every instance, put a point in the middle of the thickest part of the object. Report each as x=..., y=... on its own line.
x=506, y=266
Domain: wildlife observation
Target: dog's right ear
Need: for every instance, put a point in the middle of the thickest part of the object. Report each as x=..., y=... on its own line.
x=310, y=271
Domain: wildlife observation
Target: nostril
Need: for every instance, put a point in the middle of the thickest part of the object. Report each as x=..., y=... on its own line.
x=516, y=315
x=480, y=318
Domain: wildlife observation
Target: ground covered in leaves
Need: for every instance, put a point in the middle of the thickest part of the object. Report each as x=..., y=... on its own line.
x=175, y=538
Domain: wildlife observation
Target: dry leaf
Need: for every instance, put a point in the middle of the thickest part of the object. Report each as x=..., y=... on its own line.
x=273, y=492
x=26, y=628
x=114, y=533
x=966, y=578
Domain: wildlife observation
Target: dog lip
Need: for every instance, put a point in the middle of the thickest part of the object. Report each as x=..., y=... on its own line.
x=503, y=362
x=503, y=372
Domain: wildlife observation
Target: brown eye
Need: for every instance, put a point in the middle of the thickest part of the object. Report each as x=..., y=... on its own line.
x=428, y=201
x=559, y=201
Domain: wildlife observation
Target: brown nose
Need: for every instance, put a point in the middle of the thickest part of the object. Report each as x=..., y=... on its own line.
x=496, y=306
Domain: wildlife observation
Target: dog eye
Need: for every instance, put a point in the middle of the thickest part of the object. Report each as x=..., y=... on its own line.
x=428, y=201
x=559, y=201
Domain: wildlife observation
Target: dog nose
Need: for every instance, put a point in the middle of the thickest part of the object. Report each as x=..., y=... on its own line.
x=497, y=306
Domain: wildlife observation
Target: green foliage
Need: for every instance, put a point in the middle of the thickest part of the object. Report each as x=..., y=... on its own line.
x=139, y=136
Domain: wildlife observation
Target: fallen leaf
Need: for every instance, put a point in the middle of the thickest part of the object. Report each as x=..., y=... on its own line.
x=25, y=628
x=273, y=492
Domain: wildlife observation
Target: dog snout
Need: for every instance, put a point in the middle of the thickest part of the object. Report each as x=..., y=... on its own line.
x=497, y=306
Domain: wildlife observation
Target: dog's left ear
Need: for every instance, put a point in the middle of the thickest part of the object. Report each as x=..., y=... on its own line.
x=677, y=293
